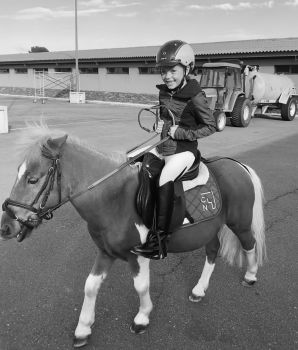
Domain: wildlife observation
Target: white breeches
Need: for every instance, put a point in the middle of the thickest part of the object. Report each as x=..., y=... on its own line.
x=175, y=165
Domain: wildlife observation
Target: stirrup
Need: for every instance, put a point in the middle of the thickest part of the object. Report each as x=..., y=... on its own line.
x=154, y=255
x=158, y=249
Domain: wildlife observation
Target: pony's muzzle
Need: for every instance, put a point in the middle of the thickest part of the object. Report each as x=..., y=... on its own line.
x=8, y=228
x=4, y=233
x=11, y=228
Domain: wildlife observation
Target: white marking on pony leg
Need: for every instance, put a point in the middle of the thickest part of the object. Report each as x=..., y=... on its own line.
x=141, y=284
x=252, y=265
x=143, y=231
x=87, y=315
x=203, y=283
x=22, y=170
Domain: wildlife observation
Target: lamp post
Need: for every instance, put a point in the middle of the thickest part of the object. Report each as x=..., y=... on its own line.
x=76, y=47
x=76, y=96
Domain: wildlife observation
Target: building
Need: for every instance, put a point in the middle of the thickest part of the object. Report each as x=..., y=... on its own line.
x=132, y=69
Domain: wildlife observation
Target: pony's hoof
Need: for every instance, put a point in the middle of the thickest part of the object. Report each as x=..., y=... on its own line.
x=247, y=283
x=194, y=298
x=80, y=342
x=138, y=328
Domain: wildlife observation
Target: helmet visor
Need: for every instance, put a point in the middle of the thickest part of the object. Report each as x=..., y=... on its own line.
x=167, y=63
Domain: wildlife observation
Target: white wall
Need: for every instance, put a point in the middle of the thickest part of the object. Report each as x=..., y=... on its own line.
x=89, y=82
x=17, y=79
x=130, y=83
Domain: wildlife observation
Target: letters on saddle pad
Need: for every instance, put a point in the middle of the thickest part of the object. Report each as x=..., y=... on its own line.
x=203, y=202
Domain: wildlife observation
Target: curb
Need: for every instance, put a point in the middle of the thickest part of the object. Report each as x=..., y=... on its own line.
x=87, y=101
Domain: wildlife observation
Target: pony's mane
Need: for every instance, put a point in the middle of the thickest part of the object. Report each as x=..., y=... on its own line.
x=36, y=135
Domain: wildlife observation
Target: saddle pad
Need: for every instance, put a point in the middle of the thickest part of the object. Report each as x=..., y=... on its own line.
x=203, y=202
x=201, y=179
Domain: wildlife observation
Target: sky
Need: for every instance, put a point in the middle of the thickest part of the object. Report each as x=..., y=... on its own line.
x=129, y=23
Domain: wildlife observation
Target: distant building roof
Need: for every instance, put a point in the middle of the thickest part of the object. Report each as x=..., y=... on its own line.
x=281, y=45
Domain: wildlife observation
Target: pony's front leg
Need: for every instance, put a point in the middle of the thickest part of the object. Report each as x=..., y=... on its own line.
x=141, y=283
x=198, y=292
x=93, y=283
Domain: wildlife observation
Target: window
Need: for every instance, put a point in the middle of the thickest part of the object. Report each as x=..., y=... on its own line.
x=214, y=77
x=21, y=70
x=63, y=70
x=40, y=70
x=149, y=70
x=294, y=69
x=4, y=70
x=118, y=70
x=286, y=69
x=89, y=70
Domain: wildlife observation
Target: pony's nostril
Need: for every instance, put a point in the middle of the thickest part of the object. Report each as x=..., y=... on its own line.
x=4, y=230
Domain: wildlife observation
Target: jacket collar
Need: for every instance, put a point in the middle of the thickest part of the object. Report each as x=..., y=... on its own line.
x=191, y=89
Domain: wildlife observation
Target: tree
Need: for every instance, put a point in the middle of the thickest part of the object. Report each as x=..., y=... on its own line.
x=38, y=49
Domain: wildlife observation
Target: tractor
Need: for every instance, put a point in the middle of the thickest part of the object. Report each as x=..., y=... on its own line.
x=236, y=91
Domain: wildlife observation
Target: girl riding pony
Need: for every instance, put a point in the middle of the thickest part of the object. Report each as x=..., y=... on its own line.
x=193, y=120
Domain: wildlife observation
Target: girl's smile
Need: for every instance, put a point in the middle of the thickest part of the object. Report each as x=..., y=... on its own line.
x=172, y=76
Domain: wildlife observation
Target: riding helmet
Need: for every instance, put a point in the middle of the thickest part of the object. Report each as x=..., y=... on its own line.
x=175, y=52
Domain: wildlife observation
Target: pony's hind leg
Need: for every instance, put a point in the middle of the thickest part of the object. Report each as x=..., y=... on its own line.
x=248, y=244
x=247, y=254
x=250, y=276
x=93, y=283
x=198, y=292
x=141, y=272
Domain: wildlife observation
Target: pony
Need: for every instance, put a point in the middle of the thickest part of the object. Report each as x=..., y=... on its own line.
x=56, y=168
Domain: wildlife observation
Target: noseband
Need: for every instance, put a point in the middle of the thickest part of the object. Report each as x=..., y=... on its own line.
x=47, y=187
x=54, y=171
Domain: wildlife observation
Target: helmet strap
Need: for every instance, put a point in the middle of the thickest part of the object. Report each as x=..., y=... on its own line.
x=182, y=81
x=179, y=86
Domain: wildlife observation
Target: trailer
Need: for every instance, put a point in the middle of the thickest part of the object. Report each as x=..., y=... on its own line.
x=238, y=92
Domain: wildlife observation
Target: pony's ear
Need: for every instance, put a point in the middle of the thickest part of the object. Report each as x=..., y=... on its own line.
x=58, y=142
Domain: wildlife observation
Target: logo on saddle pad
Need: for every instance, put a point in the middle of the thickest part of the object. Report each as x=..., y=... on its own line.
x=208, y=201
x=203, y=202
x=196, y=200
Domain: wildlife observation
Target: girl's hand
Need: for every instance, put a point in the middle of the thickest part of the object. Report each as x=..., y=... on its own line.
x=172, y=131
x=158, y=127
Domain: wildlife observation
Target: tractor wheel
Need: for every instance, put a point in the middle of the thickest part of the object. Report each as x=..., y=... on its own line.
x=220, y=120
x=241, y=114
x=289, y=110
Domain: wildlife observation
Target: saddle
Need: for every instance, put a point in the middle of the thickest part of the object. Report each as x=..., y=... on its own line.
x=193, y=201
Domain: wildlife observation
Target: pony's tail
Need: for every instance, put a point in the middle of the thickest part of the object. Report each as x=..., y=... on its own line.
x=230, y=247
x=258, y=222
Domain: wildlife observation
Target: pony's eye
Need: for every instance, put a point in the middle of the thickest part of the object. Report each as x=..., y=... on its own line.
x=32, y=180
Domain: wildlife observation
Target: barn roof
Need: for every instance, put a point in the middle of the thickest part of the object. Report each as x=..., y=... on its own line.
x=278, y=45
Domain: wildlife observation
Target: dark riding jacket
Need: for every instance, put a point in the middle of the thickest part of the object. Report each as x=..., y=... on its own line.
x=192, y=115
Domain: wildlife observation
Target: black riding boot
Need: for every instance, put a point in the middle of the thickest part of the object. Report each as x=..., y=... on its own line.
x=155, y=246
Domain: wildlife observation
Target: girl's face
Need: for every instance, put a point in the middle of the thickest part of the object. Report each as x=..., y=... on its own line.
x=172, y=76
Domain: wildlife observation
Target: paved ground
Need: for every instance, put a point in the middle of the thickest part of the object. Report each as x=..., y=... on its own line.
x=42, y=279
x=111, y=127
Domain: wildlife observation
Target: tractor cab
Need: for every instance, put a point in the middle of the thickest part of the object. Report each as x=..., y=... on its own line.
x=220, y=81
x=222, y=84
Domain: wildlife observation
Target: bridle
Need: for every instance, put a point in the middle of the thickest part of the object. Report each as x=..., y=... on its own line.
x=54, y=172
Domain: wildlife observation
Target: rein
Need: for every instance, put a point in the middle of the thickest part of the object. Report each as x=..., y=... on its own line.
x=55, y=172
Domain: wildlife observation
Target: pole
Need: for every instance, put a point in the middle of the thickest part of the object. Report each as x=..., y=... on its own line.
x=76, y=47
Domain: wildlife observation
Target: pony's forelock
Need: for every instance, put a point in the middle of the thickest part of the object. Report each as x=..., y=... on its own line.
x=35, y=135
